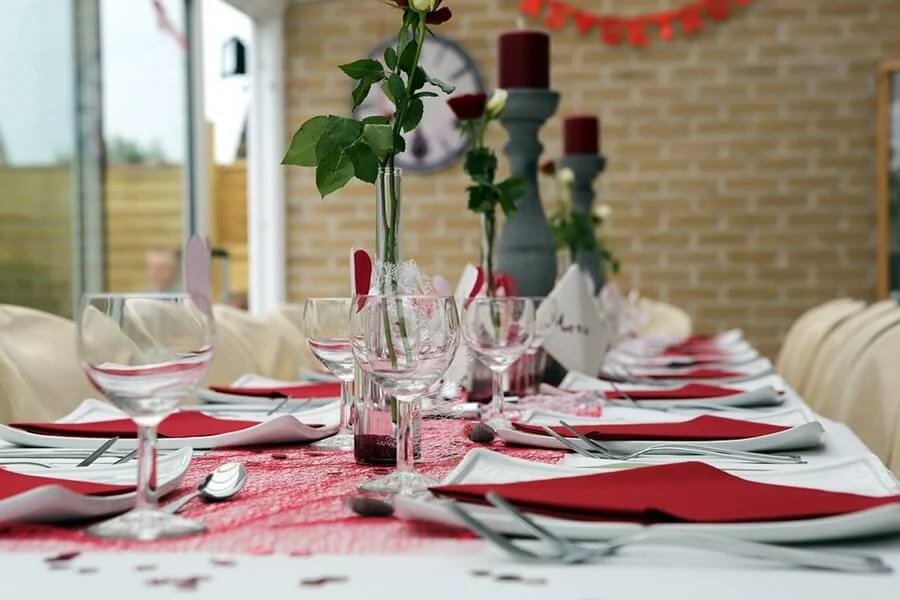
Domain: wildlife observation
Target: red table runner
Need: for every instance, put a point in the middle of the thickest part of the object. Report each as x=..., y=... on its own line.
x=293, y=504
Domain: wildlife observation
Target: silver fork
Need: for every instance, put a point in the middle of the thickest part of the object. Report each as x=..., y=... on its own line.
x=568, y=552
x=629, y=401
x=597, y=450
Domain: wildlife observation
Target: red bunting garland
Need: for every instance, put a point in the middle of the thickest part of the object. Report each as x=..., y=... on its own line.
x=637, y=30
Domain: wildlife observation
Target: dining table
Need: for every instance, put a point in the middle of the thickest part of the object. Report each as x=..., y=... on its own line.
x=291, y=534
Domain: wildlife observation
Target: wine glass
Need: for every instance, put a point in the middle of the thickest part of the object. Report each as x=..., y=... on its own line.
x=498, y=331
x=146, y=353
x=546, y=320
x=327, y=331
x=405, y=343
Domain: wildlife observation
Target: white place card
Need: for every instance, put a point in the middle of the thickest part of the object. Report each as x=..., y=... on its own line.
x=580, y=340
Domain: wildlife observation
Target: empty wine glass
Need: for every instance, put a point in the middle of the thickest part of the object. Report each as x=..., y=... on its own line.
x=405, y=343
x=498, y=331
x=146, y=353
x=546, y=320
x=327, y=330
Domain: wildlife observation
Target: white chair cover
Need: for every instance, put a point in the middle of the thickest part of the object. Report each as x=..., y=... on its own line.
x=269, y=345
x=664, y=319
x=835, y=323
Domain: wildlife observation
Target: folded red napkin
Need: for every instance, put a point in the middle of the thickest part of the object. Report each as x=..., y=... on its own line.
x=691, y=492
x=307, y=390
x=700, y=373
x=704, y=428
x=689, y=390
x=710, y=352
x=180, y=425
x=13, y=484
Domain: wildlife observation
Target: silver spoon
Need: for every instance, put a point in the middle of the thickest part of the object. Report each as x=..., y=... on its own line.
x=222, y=484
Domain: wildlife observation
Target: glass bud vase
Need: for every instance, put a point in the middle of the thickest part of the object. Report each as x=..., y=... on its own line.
x=374, y=431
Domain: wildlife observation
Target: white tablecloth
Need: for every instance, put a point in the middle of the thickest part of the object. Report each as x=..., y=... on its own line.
x=639, y=573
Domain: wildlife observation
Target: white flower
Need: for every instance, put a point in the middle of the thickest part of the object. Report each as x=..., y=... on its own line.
x=603, y=212
x=422, y=6
x=497, y=103
x=566, y=177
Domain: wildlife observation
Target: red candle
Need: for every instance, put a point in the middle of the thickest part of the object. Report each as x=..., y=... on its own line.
x=524, y=59
x=581, y=135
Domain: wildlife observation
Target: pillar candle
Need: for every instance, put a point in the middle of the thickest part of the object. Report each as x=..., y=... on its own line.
x=524, y=57
x=581, y=135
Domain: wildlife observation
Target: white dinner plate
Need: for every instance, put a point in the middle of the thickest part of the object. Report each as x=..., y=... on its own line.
x=799, y=437
x=57, y=504
x=275, y=429
x=862, y=474
x=748, y=371
x=723, y=360
x=258, y=381
x=787, y=417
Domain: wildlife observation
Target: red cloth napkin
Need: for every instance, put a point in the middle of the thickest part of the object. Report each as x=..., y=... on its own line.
x=690, y=390
x=13, y=484
x=699, y=429
x=180, y=425
x=691, y=492
x=309, y=390
x=700, y=373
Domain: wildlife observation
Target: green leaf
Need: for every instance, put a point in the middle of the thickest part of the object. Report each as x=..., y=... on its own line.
x=361, y=92
x=413, y=116
x=379, y=138
x=396, y=88
x=365, y=163
x=376, y=120
x=340, y=133
x=419, y=79
x=333, y=173
x=366, y=68
x=390, y=57
x=481, y=198
x=442, y=85
x=408, y=58
x=512, y=188
x=302, y=150
x=481, y=164
x=399, y=144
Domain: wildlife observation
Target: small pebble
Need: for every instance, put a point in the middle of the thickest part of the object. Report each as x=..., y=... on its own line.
x=481, y=433
x=370, y=507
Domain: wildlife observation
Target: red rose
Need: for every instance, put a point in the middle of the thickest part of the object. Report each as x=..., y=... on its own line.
x=467, y=107
x=548, y=167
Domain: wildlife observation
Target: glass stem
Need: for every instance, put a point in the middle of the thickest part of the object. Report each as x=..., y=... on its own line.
x=497, y=393
x=346, y=401
x=405, y=438
x=146, y=471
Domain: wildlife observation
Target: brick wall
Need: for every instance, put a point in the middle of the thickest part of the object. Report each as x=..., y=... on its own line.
x=742, y=161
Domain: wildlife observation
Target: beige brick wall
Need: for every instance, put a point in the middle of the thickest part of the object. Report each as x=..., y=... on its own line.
x=741, y=161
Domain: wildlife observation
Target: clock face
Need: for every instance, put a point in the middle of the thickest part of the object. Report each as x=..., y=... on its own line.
x=437, y=142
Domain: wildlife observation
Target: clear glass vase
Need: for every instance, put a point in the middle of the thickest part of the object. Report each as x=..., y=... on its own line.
x=375, y=427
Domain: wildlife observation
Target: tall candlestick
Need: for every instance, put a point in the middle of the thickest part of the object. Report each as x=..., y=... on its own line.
x=526, y=249
x=581, y=135
x=524, y=59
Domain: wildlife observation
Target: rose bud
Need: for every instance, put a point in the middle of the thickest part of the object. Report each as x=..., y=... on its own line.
x=422, y=6
x=566, y=177
x=548, y=167
x=468, y=107
x=497, y=103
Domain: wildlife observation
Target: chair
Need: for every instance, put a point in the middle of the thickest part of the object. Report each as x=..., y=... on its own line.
x=41, y=375
x=664, y=319
x=288, y=318
x=270, y=345
x=870, y=399
x=789, y=359
x=828, y=330
x=826, y=394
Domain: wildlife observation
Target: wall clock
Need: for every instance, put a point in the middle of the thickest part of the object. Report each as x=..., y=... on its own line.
x=438, y=141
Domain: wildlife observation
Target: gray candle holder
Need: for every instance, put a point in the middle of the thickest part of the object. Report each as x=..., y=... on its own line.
x=586, y=168
x=526, y=249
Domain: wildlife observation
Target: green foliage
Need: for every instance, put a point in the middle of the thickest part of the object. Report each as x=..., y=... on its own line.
x=342, y=148
x=577, y=232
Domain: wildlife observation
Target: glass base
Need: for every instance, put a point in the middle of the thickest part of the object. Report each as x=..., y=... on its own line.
x=146, y=525
x=404, y=483
x=342, y=441
x=496, y=423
